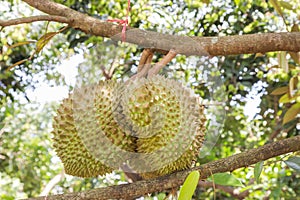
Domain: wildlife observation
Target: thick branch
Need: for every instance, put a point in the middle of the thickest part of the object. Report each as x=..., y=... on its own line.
x=174, y=180
x=24, y=20
x=212, y=46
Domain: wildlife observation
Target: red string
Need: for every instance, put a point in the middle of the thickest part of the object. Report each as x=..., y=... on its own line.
x=123, y=22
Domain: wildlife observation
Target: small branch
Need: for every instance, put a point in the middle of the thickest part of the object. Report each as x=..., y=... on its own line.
x=24, y=20
x=140, y=188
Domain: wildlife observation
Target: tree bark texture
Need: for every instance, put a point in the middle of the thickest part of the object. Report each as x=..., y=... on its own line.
x=201, y=46
x=229, y=164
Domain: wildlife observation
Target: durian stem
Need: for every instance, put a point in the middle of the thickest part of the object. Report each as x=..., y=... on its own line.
x=146, y=58
x=130, y=174
x=144, y=64
x=158, y=66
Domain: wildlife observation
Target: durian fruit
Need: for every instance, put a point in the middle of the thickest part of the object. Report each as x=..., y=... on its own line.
x=86, y=134
x=76, y=158
x=154, y=125
x=168, y=121
x=95, y=121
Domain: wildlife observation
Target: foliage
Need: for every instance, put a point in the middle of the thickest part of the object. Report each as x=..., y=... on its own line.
x=225, y=179
x=25, y=155
x=27, y=160
x=189, y=186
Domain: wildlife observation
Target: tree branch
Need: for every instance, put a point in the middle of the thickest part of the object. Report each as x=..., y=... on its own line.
x=209, y=46
x=24, y=20
x=174, y=180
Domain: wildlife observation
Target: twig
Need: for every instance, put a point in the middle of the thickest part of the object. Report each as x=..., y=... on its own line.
x=24, y=20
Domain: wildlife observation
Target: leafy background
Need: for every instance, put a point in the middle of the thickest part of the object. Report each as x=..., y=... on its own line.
x=27, y=159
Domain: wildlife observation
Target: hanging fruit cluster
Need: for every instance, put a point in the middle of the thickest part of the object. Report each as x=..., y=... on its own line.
x=153, y=125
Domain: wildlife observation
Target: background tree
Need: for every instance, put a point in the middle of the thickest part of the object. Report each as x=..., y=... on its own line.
x=26, y=164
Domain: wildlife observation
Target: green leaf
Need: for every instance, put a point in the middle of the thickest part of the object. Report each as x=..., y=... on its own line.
x=291, y=113
x=206, y=1
x=294, y=163
x=280, y=90
x=275, y=194
x=287, y=99
x=237, y=2
x=44, y=40
x=188, y=188
x=257, y=170
x=277, y=7
x=293, y=85
x=295, y=56
x=226, y=179
x=20, y=44
x=286, y=5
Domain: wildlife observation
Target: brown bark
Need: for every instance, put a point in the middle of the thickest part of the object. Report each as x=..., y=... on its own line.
x=209, y=46
x=174, y=180
x=24, y=20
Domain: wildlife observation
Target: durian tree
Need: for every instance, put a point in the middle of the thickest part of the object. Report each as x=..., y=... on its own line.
x=253, y=46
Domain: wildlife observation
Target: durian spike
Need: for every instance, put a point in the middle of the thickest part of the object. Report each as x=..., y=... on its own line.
x=68, y=145
x=171, y=139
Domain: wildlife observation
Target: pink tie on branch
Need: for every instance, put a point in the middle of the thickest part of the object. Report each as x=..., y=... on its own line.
x=123, y=22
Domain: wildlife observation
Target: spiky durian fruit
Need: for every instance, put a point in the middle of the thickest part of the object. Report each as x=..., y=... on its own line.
x=154, y=125
x=168, y=121
x=97, y=125
x=85, y=131
x=76, y=158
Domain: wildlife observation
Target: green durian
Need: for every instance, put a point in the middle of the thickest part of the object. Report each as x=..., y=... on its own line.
x=154, y=125
x=76, y=158
x=168, y=121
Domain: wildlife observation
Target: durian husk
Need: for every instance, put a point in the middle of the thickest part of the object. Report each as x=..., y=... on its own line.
x=96, y=124
x=100, y=127
x=168, y=121
x=76, y=159
x=188, y=158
